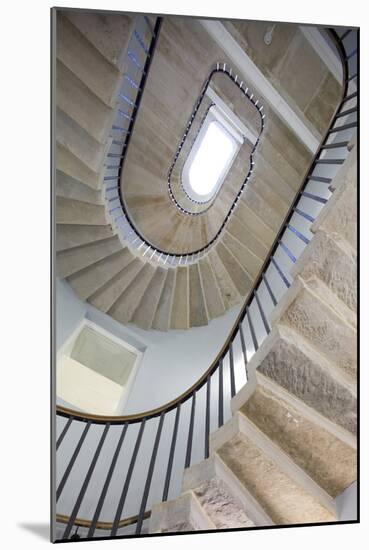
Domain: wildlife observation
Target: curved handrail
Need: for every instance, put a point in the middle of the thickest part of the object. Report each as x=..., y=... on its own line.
x=217, y=364
x=101, y=419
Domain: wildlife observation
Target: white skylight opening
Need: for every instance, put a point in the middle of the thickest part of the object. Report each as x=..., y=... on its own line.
x=211, y=156
x=212, y=159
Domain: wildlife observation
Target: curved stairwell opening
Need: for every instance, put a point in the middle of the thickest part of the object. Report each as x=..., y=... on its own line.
x=267, y=435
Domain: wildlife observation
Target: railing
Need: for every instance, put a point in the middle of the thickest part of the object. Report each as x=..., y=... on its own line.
x=134, y=81
x=139, y=472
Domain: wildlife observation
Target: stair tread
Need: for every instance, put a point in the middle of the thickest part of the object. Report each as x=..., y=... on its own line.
x=70, y=188
x=144, y=314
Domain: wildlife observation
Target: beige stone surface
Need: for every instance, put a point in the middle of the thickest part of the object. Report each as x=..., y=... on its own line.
x=327, y=460
x=241, y=279
x=71, y=165
x=70, y=211
x=240, y=231
x=123, y=309
x=86, y=62
x=109, y=293
x=212, y=296
x=162, y=315
x=180, y=305
x=223, y=509
x=197, y=315
x=314, y=319
x=81, y=104
x=229, y=292
x=283, y=500
x=71, y=261
x=322, y=105
x=294, y=364
x=332, y=261
x=87, y=281
x=79, y=142
x=109, y=33
x=145, y=312
x=69, y=236
x=70, y=188
x=249, y=262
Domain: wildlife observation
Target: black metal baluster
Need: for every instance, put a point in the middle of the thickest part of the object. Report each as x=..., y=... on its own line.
x=190, y=432
x=231, y=370
x=64, y=432
x=252, y=330
x=83, y=490
x=107, y=482
x=207, y=416
x=273, y=298
x=220, y=398
x=149, y=476
x=127, y=481
x=72, y=460
x=280, y=272
x=262, y=314
x=171, y=454
x=243, y=346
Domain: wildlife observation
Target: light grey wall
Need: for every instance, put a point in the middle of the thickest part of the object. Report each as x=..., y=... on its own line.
x=69, y=311
x=347, y=503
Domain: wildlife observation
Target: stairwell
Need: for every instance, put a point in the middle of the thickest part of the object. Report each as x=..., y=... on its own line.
x=290, y=448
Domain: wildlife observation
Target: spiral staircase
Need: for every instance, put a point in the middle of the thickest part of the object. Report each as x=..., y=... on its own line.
x=278, y=436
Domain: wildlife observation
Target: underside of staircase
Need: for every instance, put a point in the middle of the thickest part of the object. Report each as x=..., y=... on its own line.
x=289, y=449
x=101, y=268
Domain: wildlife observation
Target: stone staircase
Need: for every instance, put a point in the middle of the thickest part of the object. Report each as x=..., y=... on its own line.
x=290, y=447
x=99, y=266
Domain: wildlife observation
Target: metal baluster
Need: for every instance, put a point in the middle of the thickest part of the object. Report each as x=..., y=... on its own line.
x=264, y=319
x=252, y=330
x=149, y=476
x=127, y=481
x=72, y=460
x=220, y=399
x=280, y=272
x=190, y=431
x=243, y=346
x=107, y=482
x=63, y=434
x=171, y=454
x=273, y=298
x=231, y=370
x=207, y=416
x=83, y=490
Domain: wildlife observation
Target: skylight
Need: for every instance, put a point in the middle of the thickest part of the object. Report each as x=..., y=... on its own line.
x=211, y=160
x=211, y=156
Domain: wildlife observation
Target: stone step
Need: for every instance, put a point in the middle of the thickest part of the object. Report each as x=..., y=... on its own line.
x=239, y=231
x=213, y=299
x=86, y=62
x=144, y=315
x=123, y=309
x=320, y=317
x=70, y=236
x=108, y=294
x=225, y=509
x=339, y=215
x=241, y=279
x=87, y=281
x=290, y=361
x=334, y=262
x=108, y=33
x=80, y=143
x=179, y=318
x=229, y=293
x=75, y=99
x=184, y=514
x=73, y=212
x=281, y=489
x=198, y=314
x=256, y=225
x=248, y=261
x=329, y=461
x=161, y=319
x=70, y=188
x=73, y=260
x=69, y=164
